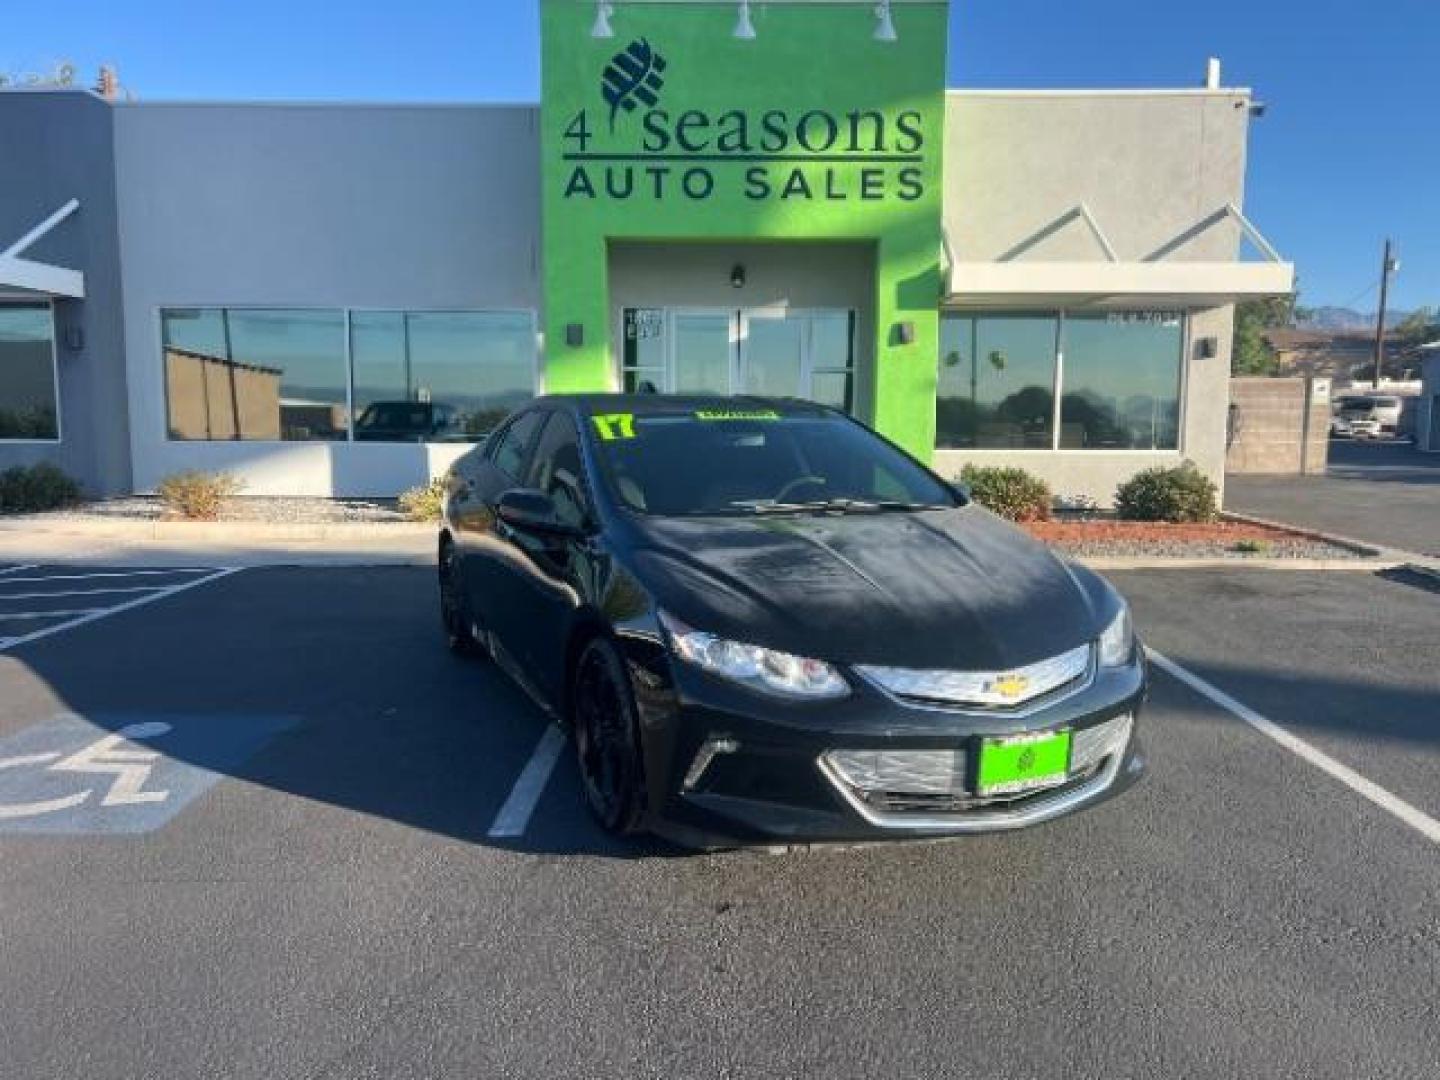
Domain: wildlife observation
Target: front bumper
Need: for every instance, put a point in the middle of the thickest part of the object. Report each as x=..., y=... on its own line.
x=726, y=764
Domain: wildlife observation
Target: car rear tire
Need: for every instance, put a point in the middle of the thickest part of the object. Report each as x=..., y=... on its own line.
x=606, y=738
x=453, y=616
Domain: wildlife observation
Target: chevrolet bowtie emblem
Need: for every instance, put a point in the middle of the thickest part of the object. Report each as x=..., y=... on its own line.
x=1010, y=686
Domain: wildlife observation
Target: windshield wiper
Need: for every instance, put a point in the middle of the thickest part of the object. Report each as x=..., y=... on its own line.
x=833, y=506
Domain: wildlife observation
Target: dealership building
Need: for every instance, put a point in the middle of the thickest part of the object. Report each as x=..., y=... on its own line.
x=773, y=198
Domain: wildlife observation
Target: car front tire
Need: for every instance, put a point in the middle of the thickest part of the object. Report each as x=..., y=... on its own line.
x=606, y=738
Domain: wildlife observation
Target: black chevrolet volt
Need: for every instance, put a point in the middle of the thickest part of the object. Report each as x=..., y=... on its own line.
x=762, y=621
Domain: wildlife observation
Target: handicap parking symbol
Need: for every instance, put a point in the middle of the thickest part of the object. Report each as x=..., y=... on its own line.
x=79, y=775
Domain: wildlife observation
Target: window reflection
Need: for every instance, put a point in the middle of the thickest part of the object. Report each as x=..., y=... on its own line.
x=439, y=376
x=1122, y=381
x=997, y=380
x=251, y=374
x=28, y=409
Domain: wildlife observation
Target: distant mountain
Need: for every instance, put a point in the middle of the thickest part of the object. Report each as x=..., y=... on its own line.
x=1342, y=318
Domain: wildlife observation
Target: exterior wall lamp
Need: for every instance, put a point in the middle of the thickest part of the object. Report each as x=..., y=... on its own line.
x=737, y=276
x=602, y=29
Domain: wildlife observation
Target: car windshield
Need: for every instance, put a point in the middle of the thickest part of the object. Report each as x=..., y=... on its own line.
x=757, y=461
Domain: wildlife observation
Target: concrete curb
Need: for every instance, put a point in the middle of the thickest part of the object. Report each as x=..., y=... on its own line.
x=1233, y=562
x=1349, y=543
x=234, y=532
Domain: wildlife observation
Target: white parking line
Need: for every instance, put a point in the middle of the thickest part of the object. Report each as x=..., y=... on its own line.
x=105, y=574
x=16, y=569
x=78, y=592
x=47, y=614
x=1417, y=819
x=102, y=613
x=514, y=816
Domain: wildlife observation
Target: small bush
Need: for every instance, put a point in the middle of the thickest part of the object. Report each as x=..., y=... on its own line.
x=1252, y=547
x=196, y=495
x=1011, y=493
x=1177, y=494
x=28, y=490
x=424, y=503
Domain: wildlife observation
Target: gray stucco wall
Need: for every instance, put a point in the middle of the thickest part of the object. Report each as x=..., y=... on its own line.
x=317, y=206
x=1150, y=166
x=55, y=146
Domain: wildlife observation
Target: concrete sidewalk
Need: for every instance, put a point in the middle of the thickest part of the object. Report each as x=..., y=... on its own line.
x=34, y=539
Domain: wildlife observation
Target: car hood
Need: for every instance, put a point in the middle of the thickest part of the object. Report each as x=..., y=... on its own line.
x=956, y=589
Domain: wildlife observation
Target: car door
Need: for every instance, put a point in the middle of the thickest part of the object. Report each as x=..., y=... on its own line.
x=485, y=550
x=554, y=575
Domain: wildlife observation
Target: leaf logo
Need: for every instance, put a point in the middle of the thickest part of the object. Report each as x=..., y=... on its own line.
x=632, y=76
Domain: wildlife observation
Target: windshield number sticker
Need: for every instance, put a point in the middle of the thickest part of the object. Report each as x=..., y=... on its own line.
x=620, y=425
x=737, y=414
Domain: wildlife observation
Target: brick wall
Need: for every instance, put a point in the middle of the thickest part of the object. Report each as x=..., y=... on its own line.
x=1268, y=431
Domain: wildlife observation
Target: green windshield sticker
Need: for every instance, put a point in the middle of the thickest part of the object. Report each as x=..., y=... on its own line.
x=618, y=425
x=737, y=414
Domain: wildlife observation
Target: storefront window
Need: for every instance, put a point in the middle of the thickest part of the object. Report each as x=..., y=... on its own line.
x=997, y=381
x=251, y=374
x=413, y=376
x=28, y=409
x=1119, y=384
x=438, y=376
x=1122, y=380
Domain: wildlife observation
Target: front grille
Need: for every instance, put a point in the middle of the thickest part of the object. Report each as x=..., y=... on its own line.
x=928, y=782
x=991, y=690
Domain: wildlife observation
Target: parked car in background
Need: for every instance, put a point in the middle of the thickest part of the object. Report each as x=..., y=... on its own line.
x=1366, y=416
x=409, y=421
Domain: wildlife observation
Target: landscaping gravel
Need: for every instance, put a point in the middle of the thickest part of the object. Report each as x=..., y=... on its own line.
x=270, y=510
x=1100, y=536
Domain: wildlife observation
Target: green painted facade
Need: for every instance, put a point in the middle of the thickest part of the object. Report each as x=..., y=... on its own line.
x=812, y=131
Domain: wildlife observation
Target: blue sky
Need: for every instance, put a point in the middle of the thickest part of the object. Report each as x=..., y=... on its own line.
x=1348, y=151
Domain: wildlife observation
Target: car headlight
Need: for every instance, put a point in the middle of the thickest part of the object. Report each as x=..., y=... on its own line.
x=1117, y=643
x=764, y=669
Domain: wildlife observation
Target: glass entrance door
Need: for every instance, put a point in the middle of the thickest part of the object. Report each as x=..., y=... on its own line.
x=772, y=352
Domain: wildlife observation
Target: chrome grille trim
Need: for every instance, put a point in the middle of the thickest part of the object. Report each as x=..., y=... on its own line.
x=1048, y=680
x=1097, y=751
x=907, y=772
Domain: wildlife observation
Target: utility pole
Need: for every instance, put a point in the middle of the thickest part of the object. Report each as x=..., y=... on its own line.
x=1388, y=265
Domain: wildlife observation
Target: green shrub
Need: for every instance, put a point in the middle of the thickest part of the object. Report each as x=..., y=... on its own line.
x=1178, y=494
x=196, y=495
x=424, y=503
x=1012, y=493
x=27, y=490
x=1252, y=547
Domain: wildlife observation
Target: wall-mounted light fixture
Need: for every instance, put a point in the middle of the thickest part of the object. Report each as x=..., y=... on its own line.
x=737, y=276
x=574, y=334
x=744, y=28
x=1209, y=348
x=884, y=23
x=905, y=333
x=603, y=10
x=74, y=339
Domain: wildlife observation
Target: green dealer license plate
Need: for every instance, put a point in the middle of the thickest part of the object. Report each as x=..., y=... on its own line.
x=1015, y=763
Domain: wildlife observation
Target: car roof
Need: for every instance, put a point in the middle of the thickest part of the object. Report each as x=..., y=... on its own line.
x=675, y=404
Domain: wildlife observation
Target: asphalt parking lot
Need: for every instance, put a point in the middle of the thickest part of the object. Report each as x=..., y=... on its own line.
x=282, y=864
x=1380, y=491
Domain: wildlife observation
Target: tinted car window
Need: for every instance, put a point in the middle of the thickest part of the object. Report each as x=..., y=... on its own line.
x=682, y=463
x=515, y=442
x=558, y=471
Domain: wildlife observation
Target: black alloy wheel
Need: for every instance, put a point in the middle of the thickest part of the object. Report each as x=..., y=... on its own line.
x=603, y=711
x=452, y=606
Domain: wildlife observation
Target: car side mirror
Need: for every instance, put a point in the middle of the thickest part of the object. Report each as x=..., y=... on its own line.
x=962, y=490
x=530, y=511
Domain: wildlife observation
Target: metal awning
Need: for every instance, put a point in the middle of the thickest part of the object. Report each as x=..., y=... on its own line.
x=1153, y=281
x=28, y=278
